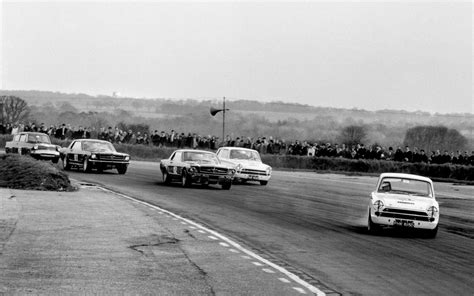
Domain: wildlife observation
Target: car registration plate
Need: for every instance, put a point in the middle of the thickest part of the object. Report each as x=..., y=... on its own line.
x=253, y=177
x=404, y=223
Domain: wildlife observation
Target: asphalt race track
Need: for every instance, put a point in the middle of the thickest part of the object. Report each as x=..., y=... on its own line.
x=314, y=225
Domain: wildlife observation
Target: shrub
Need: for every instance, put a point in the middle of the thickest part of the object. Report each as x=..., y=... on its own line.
x=24, y=172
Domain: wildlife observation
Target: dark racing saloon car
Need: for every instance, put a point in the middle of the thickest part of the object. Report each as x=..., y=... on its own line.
x=196, y=166
x=88, y=154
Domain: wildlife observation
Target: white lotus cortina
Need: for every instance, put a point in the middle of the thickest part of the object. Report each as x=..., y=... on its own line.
x=404, y=200
x=247, y=163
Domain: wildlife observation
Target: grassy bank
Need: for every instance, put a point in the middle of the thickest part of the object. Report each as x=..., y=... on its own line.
x=24, y=172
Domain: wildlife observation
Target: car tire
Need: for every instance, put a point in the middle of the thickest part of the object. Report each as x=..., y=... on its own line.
x=55, y=160
x=226, y=185
x=66, y=165
x=263, y=183
x=185, y=181
x=122, y=169
x=371, y=226
x=166, y=177
x=431, y=233
x=86, y=167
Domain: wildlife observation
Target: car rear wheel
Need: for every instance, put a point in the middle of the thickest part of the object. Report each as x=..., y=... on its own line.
x=371, y=226
x=66, y=165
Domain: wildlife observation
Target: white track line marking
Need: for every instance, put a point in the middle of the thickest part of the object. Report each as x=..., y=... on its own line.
x=257, y=263
x=299, y=290
x=192, y=227
x=268, y=270
x=289, y=274
x=184, y=223
x=201, y=231
x=234, y=251
x=246, y=257
x=212, y=237
x=224, y=244
x=284, y=280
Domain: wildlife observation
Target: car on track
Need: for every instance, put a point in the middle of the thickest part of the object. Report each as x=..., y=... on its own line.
x=196, y=166
x=247, y=163
x=406, y=201
x=88, y=154
x=37, y=145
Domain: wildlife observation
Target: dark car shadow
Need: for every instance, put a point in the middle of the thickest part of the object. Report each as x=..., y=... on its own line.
x=396, y=232
x=193, y=186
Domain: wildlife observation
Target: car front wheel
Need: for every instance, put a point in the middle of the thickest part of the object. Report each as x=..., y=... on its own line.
x=263, y=183
x=86, y=166
x=166, y=177
x=371, y=226
x=66, y=165
x=431, y=233
x=226, y=185
x=185, y=181
x=122, y=169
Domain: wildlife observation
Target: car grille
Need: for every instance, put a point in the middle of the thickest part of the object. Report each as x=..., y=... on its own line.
x=110, y=157
x=41, y=147
x=404, y=214
x=254, y=172
x=214, y=170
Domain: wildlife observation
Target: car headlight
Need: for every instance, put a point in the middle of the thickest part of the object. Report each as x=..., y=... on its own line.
x=269, y=171
x=378, y=206
x=433, y=213
x=127, y=157
x=238, y=168
x=192, y=169
x=231, y=171
x=35, y=147
x=93, y=156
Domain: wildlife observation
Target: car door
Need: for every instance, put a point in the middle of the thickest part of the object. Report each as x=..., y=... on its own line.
x=13, y=145
x=21, y=144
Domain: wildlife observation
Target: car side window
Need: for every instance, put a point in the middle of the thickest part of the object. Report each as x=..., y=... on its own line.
x=23, y=138
x=223, y=153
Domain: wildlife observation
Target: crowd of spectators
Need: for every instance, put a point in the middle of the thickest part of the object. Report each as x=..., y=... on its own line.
x=262, y=144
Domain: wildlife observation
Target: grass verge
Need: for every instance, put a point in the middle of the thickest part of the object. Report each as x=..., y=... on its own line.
x=24, y=172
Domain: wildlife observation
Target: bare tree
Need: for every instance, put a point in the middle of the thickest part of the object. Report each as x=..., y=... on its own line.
x=14, y=109
x=353, y=134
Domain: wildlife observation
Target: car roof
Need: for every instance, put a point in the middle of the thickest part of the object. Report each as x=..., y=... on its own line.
x=405, y=176
x=194, y=150
x=238, y=148
x=32, y=133
x=91, y=140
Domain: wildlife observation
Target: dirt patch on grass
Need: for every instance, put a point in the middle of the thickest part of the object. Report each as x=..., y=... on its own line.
x=24, y=172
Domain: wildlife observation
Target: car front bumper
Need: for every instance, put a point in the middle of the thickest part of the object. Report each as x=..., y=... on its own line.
x=252, y=177
x=210, y=179
x=401, y=222
x=45, y=154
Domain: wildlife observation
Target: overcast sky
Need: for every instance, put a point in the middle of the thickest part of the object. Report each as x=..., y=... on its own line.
x=368, y=55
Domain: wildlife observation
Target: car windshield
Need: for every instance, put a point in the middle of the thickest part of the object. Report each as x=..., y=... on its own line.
x=244, y=154
x=406, y=186
x=98, y=147
x=39, y=139
x=201, y=157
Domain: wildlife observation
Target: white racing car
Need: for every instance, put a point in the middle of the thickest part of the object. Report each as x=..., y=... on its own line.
x=247, y=163
x=406, y=201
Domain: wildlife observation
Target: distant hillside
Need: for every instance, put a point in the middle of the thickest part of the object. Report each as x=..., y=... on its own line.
x=289, y=120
